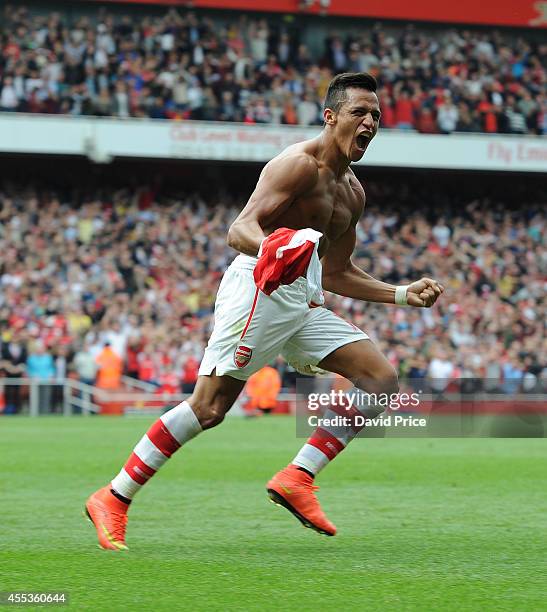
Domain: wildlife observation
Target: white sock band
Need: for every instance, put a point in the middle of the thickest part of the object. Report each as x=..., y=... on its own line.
x=125, y=485
x=148, y=453
x=182, y=422
x=311, y=459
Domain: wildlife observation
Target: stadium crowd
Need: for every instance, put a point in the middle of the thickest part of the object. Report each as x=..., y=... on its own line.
x=127, y=282
x=187, y=66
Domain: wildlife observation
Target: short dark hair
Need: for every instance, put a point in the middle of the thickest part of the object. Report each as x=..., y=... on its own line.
x=336, y=93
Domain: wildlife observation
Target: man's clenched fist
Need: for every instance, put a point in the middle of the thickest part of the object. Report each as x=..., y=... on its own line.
x=423, y=293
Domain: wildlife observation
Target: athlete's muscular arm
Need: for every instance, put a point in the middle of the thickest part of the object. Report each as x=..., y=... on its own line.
x=281, y=182
x=342, y=276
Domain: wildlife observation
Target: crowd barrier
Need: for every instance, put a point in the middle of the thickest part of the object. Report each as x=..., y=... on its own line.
x=69, y=397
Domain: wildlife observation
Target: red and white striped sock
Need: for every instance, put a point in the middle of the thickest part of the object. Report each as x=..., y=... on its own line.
x=167, y=435
x=327, y=441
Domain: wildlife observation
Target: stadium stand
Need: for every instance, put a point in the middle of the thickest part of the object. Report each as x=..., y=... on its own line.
x=139, y=269
x=188, y=65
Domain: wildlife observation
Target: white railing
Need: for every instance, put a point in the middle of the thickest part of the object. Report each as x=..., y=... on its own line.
x=87, y=399
x=141, y=385
x=75, y=397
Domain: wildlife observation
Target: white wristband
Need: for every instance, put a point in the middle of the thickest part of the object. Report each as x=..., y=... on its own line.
x=400, y=295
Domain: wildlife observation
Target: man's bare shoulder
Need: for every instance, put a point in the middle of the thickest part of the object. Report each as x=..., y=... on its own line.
x=295, y=163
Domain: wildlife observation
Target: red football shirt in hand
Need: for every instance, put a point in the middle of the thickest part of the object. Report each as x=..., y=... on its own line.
x=284, y=256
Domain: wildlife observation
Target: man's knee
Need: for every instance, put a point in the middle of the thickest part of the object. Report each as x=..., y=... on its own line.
x=381, y=380
x=212, y=398
x=376, y=386
x=210, y=413
x=213, y=415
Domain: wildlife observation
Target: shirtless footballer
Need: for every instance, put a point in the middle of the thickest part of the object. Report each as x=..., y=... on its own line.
x=309, y=185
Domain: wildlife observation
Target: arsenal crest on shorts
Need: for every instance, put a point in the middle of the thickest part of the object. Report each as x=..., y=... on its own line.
x=242, y=355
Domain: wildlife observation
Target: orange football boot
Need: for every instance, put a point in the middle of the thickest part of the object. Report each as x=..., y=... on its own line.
x=294, y=489
x=109, y=515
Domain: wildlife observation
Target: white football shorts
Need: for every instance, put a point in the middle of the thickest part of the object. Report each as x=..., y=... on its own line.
x=252, y=329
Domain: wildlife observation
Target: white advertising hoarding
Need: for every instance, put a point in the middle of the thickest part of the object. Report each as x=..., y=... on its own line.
x=103, y=139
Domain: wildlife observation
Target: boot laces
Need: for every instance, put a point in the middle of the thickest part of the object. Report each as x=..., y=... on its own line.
x=119, y=522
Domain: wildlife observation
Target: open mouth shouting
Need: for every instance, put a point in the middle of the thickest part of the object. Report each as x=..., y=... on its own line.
x=362, y=140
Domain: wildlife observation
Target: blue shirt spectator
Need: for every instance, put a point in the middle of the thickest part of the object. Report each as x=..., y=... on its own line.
x=40, y=364
x=512, y=378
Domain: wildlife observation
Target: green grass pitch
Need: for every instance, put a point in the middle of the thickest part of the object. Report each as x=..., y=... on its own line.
x=442, y=524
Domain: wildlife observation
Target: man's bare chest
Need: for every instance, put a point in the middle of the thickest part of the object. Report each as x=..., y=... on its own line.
x=329, y=208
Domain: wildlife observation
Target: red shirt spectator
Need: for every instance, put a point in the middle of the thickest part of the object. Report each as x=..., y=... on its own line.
x=190, y=370
x=387, y=119
x=426, y=123
x=132, y=358
x=490, y=120
x=404, y=116
x=147, y=367
x=169, y=383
